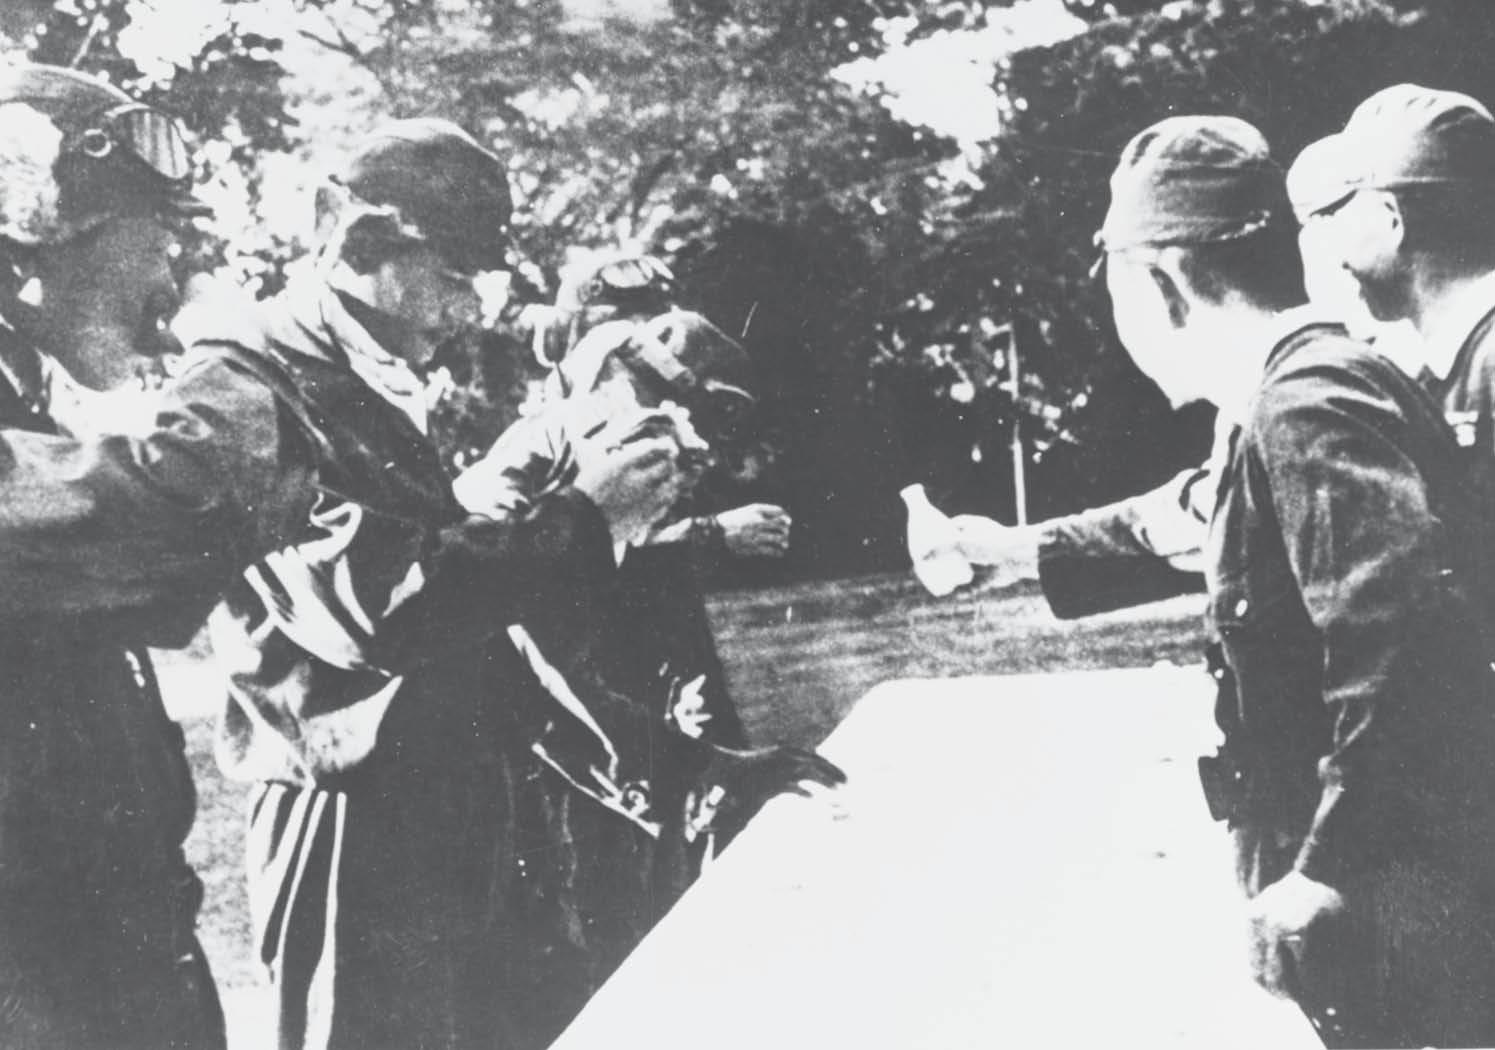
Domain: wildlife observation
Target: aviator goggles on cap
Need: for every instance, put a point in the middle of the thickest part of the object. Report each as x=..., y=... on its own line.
x=720, y=407
x=147, y=134
x=621, y=281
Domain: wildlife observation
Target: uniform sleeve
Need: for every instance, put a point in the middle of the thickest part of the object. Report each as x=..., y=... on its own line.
x=158, y=519
x=548, y=568
x=1139, y=550
x=1364, y=548
x=528, y=459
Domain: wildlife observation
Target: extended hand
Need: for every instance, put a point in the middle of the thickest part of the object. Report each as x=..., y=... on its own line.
x=759, y=530
x=750, y=778
x=1282, y=919
x=1009, y=553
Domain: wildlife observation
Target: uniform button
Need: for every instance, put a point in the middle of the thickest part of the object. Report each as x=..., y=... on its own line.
x=1241, y=607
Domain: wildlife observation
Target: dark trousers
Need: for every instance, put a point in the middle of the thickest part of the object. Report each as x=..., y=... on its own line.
x=1410, y=964
x=102, y=973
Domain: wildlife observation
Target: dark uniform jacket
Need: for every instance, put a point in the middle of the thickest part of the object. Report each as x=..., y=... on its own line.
x=1341, y=569
x=97, y=903
x=601, y=815
x=388, y=584
x=1467, y=396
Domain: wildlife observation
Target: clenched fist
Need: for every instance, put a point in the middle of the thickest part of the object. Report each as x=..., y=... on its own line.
x=758, y=530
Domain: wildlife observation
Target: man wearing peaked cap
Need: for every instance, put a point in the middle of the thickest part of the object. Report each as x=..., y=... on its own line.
x=367, y=702
x=441, y=182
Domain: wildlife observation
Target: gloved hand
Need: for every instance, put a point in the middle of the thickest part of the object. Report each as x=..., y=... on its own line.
x=758, y=530
x=633, y=484
x=752, y=777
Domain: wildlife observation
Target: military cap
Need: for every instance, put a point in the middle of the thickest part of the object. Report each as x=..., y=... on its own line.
x=1192, y=180
x=448, y=190
x=1405, y=135
x=1319, y=178
x=75, y=150
x=680, y=352
x=627, y=281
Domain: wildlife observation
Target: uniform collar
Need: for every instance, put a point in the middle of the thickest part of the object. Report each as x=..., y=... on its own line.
x=1289, y=323
x=315, y=305
x=1403, y=345
x=1272, y=333
x=1461, y=314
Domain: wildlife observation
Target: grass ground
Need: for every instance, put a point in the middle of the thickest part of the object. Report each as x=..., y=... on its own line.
x=797, y=657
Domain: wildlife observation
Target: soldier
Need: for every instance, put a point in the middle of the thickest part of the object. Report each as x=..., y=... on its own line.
x=620, y=826
x=360, y=703
x=97, y=902
x=1149, y=547
x=1359, y=739
x=608, y=297
x=1404, y=201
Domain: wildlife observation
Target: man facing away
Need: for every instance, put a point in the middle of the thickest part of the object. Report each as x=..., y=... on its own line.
x=97, y=902
x=1359, y=767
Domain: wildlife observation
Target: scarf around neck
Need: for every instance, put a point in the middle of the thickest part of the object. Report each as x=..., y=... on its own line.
x=317, y=305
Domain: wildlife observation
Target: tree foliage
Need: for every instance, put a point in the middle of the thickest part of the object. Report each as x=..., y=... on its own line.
x=885, y=280
x=1294, y=69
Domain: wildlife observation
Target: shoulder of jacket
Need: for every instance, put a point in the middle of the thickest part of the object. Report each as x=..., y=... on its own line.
x=1318, y=358
x=1480, y=346
x=1312, y=346
x=1332, y=383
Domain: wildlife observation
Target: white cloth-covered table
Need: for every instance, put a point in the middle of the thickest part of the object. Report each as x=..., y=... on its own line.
x=1022, y=861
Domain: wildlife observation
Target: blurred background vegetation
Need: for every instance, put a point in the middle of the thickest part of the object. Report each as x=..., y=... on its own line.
x=880, y=256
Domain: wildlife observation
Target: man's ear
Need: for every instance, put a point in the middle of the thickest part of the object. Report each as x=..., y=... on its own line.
x=1167, y=274
x=1391, y=225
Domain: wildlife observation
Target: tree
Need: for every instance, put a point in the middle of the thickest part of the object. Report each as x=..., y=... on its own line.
x=880, y=275
x=609, y=141
x=228, y=93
